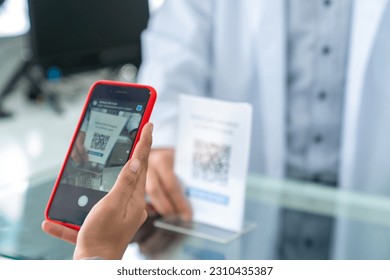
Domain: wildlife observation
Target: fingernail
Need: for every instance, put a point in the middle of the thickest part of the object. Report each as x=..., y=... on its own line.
x=134, y=165
x=151, y=127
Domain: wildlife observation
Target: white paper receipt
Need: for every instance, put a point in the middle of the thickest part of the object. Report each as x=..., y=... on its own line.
x=211, y=158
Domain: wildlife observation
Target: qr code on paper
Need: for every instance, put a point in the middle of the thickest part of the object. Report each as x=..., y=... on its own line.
x=210, y=161
x=99, y=141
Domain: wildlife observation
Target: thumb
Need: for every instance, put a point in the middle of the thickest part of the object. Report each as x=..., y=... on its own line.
x=136, y=167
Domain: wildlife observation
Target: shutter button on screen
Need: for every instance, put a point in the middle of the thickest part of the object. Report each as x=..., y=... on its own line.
x=83, y=200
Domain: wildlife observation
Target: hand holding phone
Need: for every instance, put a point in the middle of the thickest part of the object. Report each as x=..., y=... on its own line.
x=109, y=128
x=114, y=220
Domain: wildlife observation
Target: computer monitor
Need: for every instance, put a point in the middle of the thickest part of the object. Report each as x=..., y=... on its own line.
x=78, y=35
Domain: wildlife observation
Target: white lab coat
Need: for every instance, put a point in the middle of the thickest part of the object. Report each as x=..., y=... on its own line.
x=235, y=50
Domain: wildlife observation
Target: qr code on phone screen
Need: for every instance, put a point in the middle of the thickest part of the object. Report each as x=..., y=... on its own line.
x=210, y=161
x=99, y=141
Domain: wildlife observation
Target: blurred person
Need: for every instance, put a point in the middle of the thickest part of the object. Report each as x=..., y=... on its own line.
x=315, y=73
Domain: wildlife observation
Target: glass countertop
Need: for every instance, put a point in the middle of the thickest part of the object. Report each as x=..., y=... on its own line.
x=293, y=220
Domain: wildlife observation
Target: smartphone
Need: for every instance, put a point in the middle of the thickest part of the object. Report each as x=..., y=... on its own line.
x=105, y=137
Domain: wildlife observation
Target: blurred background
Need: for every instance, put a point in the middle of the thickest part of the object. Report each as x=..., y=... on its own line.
x=50, y=54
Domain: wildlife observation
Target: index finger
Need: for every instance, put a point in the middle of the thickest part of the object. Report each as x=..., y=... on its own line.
x=60, y=231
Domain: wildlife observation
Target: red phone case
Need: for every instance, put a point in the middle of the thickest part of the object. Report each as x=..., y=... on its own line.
x=145, y=119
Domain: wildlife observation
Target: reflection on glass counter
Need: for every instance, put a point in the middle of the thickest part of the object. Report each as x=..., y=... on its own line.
x=293, y=220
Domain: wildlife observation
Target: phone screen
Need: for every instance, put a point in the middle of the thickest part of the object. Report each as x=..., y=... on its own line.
x=103, y=144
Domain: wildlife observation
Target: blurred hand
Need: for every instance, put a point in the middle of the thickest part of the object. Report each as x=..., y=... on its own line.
x=79, y=152
x=114, y=220
x=163, y=187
